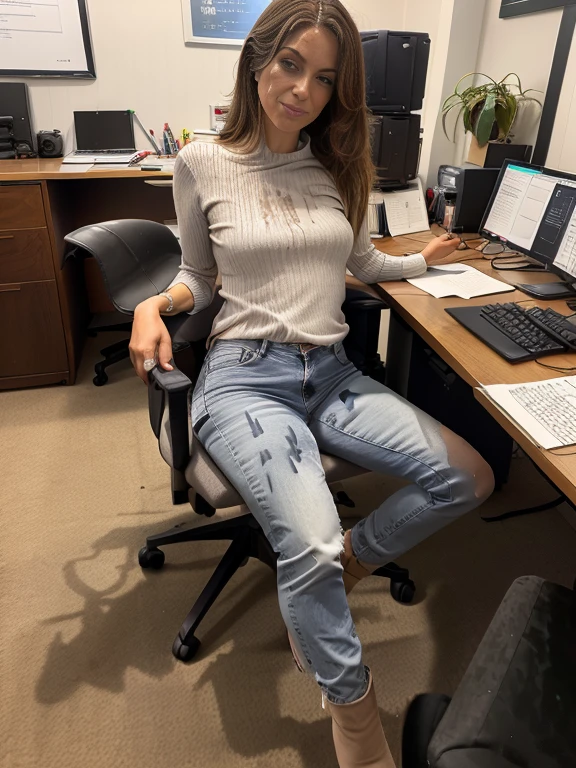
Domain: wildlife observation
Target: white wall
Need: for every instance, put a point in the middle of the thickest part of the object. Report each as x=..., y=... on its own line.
x=143, y=64
x=458, y=43
x=524, y=45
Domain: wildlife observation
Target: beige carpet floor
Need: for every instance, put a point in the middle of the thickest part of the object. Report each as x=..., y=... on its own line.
x=86, y=672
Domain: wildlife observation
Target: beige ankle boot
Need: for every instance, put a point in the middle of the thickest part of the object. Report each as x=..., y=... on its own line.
x=354, y=571
x=358, y=735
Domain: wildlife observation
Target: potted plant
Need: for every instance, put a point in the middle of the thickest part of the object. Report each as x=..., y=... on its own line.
x=488, y=111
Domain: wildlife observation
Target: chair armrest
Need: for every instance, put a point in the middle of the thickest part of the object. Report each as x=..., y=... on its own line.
x=175, y=385
x=359, y=299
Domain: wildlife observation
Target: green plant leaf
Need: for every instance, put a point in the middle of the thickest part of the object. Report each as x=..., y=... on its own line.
x=512, y=74
x=448, y=103
x=530, y=98
x=504, y=117
x=485, y=121
x=473, y=74
x=444, y=116
x=458, y=116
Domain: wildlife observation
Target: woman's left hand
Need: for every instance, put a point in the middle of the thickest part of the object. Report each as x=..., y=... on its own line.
x=442, y=250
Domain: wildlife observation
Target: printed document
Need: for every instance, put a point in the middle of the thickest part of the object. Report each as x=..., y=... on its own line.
x=458, y=280
x=544, y=410
x=406, y=210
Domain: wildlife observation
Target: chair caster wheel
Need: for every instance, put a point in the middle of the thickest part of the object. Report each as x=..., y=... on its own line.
x=403, y=591
x=151, y=558
x=100, y=379
x=185, y=652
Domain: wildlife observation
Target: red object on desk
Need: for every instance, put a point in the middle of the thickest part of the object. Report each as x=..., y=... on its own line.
x=140, y=156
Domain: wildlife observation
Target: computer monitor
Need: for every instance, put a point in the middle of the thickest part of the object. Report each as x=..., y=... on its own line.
x=104, y=129
x=531, y=210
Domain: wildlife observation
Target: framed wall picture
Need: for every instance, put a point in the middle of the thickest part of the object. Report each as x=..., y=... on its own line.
x=220, y=22
x=46, y=38
x=522, y=7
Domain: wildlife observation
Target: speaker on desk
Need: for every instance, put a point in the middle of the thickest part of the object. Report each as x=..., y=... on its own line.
x=50, y=143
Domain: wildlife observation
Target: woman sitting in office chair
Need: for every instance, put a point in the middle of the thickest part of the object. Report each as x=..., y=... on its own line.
x=277, y=205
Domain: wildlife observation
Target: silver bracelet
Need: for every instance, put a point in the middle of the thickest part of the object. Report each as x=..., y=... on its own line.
x=170, y=299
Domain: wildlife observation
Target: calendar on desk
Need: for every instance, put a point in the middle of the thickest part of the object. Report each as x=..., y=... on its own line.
x=220, y=22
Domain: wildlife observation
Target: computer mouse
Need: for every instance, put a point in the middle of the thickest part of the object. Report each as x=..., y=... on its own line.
x=571, y=304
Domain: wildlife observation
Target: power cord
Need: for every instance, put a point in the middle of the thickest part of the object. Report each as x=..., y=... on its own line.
x=555, y=367
x=508, y=266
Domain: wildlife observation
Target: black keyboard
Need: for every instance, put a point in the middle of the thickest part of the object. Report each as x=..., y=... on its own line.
x=518, y=334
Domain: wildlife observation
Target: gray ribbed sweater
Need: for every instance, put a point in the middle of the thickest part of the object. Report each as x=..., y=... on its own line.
x=273, y=226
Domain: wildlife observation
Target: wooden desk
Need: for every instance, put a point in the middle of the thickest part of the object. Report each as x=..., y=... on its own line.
x=471, y=359
x=44, y=304
x=44, y=169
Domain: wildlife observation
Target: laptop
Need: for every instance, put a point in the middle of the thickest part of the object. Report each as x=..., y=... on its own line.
x=105, y=136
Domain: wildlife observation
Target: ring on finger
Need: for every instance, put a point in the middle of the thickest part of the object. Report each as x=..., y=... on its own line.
x=149, y=364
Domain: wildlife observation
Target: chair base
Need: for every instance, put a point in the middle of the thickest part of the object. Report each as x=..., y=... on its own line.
x=247, y=540
x=112, y=354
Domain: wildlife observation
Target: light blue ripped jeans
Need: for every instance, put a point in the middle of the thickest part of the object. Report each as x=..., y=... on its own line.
x=263, y=410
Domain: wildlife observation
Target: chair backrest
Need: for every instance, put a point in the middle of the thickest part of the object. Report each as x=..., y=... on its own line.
x=138, y=258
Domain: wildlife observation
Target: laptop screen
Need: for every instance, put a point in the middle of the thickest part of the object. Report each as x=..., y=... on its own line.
x=107, y=129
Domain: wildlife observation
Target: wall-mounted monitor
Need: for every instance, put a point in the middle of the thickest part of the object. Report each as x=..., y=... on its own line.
x=522, y=7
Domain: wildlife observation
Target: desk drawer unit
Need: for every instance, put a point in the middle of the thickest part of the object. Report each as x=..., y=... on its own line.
x=32, y=343
x=21, y=206
x=32, y=340
x=25, y=255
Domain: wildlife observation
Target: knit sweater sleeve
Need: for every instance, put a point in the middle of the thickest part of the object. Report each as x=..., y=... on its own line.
x=198, y=268
x=370, y=265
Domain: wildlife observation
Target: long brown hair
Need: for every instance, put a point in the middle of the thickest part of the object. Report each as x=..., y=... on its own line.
x=339, y=136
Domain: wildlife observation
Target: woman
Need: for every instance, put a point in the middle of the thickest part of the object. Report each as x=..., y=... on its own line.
x=280, y=214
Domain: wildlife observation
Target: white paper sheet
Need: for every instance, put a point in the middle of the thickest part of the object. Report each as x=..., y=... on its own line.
x=549, y=431
x=75, y=168
x=458, y=280
x=406, y=211
x=97, y=159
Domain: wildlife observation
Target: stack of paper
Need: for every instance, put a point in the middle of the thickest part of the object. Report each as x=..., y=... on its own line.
x=458, y=280
x=544, y=410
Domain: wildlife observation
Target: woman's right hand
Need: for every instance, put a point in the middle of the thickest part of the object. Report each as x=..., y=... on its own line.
x=150, y=338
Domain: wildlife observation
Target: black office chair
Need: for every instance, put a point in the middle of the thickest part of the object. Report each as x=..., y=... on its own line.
x=516, y=704
x=138, y=260
x=134, y=277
